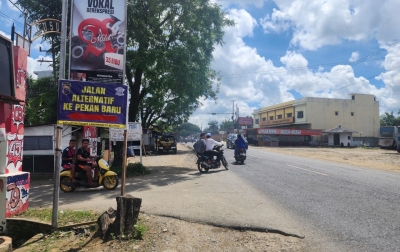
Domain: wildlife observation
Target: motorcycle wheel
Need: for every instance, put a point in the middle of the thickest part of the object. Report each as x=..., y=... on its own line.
x=66, y=188
x=224, y=162
x=110, y=182
x=200, y=168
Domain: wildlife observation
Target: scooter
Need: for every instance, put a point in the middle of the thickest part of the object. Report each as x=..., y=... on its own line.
x=205, y=163
x=240, y=156
x=107, y=178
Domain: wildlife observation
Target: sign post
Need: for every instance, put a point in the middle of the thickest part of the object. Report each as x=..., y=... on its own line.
x=57, y=163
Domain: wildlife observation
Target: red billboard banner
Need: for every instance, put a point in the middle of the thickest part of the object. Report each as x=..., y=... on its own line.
x=298, y=132
x=245, y=120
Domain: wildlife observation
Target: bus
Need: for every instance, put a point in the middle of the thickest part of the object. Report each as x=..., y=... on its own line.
x=388, y=137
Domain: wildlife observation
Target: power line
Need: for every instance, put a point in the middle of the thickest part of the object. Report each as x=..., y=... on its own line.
x=11, y=19
x=363, y=80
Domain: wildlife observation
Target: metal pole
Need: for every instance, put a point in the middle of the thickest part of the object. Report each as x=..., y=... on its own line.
x=57, y=162
x=233, y=115
x=124, y=159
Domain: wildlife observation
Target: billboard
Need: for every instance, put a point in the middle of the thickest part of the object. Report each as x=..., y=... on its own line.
x=97, y=50
x=92, y=104
x=299, y=132
x=245, y=120
x=7, y=80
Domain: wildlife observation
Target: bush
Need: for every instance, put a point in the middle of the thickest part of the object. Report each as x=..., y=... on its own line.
x=132, y=169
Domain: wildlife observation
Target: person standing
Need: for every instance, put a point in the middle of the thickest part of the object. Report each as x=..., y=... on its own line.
x=68, y=156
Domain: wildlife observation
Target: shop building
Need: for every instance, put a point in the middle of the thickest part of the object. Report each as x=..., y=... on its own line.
x=303, y=121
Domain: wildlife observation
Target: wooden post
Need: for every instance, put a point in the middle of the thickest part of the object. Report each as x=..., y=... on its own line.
x=124, y=162
x=128, y=208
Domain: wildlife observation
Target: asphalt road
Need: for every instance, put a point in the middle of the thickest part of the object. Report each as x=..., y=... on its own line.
x=340, y=208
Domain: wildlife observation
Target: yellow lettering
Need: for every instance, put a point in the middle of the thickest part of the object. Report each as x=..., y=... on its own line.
x=67, y=106
x=111, y=109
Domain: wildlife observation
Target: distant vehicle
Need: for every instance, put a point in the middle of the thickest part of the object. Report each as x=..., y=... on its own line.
x=230, y=141
x=388, y=137
x=167, y=143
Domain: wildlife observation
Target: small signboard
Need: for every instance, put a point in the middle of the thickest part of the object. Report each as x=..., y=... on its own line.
x=134, y=133
x=245, y=120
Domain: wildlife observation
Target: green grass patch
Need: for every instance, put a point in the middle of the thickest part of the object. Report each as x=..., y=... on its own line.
x=65, y=217
x=132, y=170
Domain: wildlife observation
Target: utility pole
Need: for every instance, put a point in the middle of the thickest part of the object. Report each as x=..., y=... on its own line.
x=233, y=115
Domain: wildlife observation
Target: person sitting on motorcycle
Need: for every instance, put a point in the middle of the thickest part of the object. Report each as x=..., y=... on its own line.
x=82, y=158
x=240, y=143
x=210, y=143
x=200, y=145
x=68, y=156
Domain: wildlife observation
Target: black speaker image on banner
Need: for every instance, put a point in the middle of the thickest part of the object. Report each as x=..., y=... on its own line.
x=7, y=80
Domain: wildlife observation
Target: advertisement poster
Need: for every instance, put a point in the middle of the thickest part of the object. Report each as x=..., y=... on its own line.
x=98, y=41
x=90, y=133
x=92, y=104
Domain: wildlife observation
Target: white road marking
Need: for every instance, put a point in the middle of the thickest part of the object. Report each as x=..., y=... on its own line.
x=307, y=170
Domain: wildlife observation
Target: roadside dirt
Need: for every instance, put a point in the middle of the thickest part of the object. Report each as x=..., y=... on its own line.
x=168, y=234
x=372, y=158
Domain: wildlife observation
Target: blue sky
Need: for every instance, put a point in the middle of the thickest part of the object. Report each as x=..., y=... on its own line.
x=281, y=50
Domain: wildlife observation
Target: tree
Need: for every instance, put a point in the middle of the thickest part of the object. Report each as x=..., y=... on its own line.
x=213, y=126
x=41, y=107
x=168, y=64
x=226, y=125
x=187, y=129
x=388, y=119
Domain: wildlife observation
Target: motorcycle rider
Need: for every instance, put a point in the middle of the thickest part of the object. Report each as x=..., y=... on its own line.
x=210, y=143
x=68, y=156
x=240, y=143
x=200, y=145
x=82, y=158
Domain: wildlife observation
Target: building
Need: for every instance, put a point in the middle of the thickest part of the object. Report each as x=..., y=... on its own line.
x=302, y=121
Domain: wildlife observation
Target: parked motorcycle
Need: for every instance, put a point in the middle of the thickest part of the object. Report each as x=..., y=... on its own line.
x=107, y=178
x=205, y=163
x=240, y=156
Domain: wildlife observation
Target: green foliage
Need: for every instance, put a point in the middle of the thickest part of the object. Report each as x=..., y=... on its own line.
x=132, y=169
x=168, y=61
x=64, y=216
x=42, y=102
x=187, y=129
x=140, y=229
x=388, y=119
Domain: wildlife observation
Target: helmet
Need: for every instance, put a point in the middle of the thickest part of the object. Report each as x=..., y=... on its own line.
x=208, y=134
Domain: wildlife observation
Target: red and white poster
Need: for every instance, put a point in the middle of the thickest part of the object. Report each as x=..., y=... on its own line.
x=98, y=38
x=90, y=133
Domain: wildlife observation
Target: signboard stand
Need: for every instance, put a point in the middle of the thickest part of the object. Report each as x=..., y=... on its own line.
x=124, y=161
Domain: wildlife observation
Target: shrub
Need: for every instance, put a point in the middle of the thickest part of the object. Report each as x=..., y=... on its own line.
x=132, y=169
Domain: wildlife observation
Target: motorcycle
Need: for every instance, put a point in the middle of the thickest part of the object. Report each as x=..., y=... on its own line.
x=107, y=178
x=240, y=156
x=205, y=163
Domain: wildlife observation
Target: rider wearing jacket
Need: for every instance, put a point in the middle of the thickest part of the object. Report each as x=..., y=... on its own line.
x=240, y=143
x=210, y=145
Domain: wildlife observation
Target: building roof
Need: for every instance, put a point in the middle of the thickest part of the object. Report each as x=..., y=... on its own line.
x=339, y=129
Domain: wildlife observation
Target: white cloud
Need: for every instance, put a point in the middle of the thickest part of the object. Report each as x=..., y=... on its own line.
x=34, y=65
x=317, y=23
x=354, y=57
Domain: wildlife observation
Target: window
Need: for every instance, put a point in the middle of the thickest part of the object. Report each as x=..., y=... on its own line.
x=38, y=143
x=299, y=114
x=271, y=118
x=348, y=137
x=352, y=113
x=336, y=112
x=288, y=115
x=264, y=119
x=353, y=97
x=257, y=121
x=279, y=116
